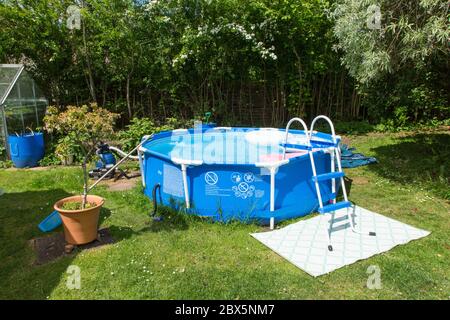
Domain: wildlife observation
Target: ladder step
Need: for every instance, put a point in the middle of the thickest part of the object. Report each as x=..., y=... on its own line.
x=295, y=146
x=334, y=207
x=325, y=143
x=328, y=176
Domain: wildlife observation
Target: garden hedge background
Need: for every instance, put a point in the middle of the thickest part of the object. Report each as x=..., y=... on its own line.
x=253, y=62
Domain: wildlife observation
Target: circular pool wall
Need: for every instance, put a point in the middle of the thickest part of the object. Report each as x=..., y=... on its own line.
x=227, y=173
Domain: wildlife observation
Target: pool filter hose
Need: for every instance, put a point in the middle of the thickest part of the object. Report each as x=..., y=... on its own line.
x=155, y=203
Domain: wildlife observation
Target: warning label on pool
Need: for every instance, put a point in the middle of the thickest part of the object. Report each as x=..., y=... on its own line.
x=211, y=178
x=239, y=185
x=216, y=191
x=212, y=187
x=243, y=190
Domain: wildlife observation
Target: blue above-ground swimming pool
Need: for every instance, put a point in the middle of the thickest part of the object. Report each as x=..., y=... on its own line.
x=227, y=173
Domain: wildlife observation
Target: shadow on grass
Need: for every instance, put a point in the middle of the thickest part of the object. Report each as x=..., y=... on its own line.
x=422, y=158
x=171, y=220
x=20, y=214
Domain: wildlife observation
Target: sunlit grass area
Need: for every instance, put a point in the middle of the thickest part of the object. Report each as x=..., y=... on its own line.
x=187, y=258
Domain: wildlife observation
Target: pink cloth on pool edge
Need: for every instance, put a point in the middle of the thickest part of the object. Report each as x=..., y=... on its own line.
x=277, y=157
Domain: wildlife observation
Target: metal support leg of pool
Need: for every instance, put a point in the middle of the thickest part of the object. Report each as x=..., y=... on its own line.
x=184, y=165
x=272, y=167
x=141, y=166
x=185, y=185
x=272, y=196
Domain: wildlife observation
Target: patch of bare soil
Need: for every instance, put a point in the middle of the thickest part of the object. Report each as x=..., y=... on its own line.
x=39, y=168
x=49, y=248
x=123, y=183
x=31, y=169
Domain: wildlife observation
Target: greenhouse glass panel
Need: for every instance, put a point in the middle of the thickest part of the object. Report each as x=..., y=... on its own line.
x=7, y=74
x=22, y=103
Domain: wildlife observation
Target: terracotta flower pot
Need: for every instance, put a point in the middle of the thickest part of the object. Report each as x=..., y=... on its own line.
x=80, y=226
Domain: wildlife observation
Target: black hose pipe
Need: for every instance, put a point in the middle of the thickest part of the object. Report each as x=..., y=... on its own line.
x=155, y=203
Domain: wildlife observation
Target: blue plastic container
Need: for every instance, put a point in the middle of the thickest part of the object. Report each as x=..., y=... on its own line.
x=27, y=149
x=51, y=222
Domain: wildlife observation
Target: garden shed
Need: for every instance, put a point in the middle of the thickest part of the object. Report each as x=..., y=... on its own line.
x=22, y=103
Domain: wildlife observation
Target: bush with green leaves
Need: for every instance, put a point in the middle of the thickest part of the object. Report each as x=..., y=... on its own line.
x=2, y=151
x=176, y=58
x=252, y=62
x=139, y=127
x=5, y=164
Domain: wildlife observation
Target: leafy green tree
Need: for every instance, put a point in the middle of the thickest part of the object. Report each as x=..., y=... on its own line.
x=403, y=62
x=250, y=62
x=33, y=32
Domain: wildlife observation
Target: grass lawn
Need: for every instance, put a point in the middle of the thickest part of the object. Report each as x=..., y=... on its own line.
x=186, y=258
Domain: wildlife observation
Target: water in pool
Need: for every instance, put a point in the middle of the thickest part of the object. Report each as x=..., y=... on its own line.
x=229, y=147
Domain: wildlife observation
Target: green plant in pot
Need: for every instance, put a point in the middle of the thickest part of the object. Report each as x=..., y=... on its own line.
x=66, y=150
x=85, y=126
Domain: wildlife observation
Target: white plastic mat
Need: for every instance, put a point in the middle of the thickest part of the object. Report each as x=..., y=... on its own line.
x=305, y=243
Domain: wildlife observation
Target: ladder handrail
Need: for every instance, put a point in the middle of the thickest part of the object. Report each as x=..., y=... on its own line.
x=305, y=128
x=333, y=133
x=335, y=155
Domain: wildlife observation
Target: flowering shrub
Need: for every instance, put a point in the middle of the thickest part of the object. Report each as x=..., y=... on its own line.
x=83, y=126
x=86, y=125
x=207, y=33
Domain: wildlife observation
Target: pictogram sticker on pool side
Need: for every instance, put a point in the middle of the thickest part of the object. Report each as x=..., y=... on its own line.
x=243, y=190
x=242, y=185
x=249, y=177
x=212, y=188
x=211, y=178
x=236, y=177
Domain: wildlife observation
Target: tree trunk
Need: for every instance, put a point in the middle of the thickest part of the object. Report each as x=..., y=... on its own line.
x=89, y=67
x=300, y=83
x=130, y=114
x=85, y=184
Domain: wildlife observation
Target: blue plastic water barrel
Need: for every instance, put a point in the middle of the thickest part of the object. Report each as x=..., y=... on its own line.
x=26, y=149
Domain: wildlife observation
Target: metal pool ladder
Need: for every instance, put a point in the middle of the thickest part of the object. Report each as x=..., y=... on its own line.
x=335, y=155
